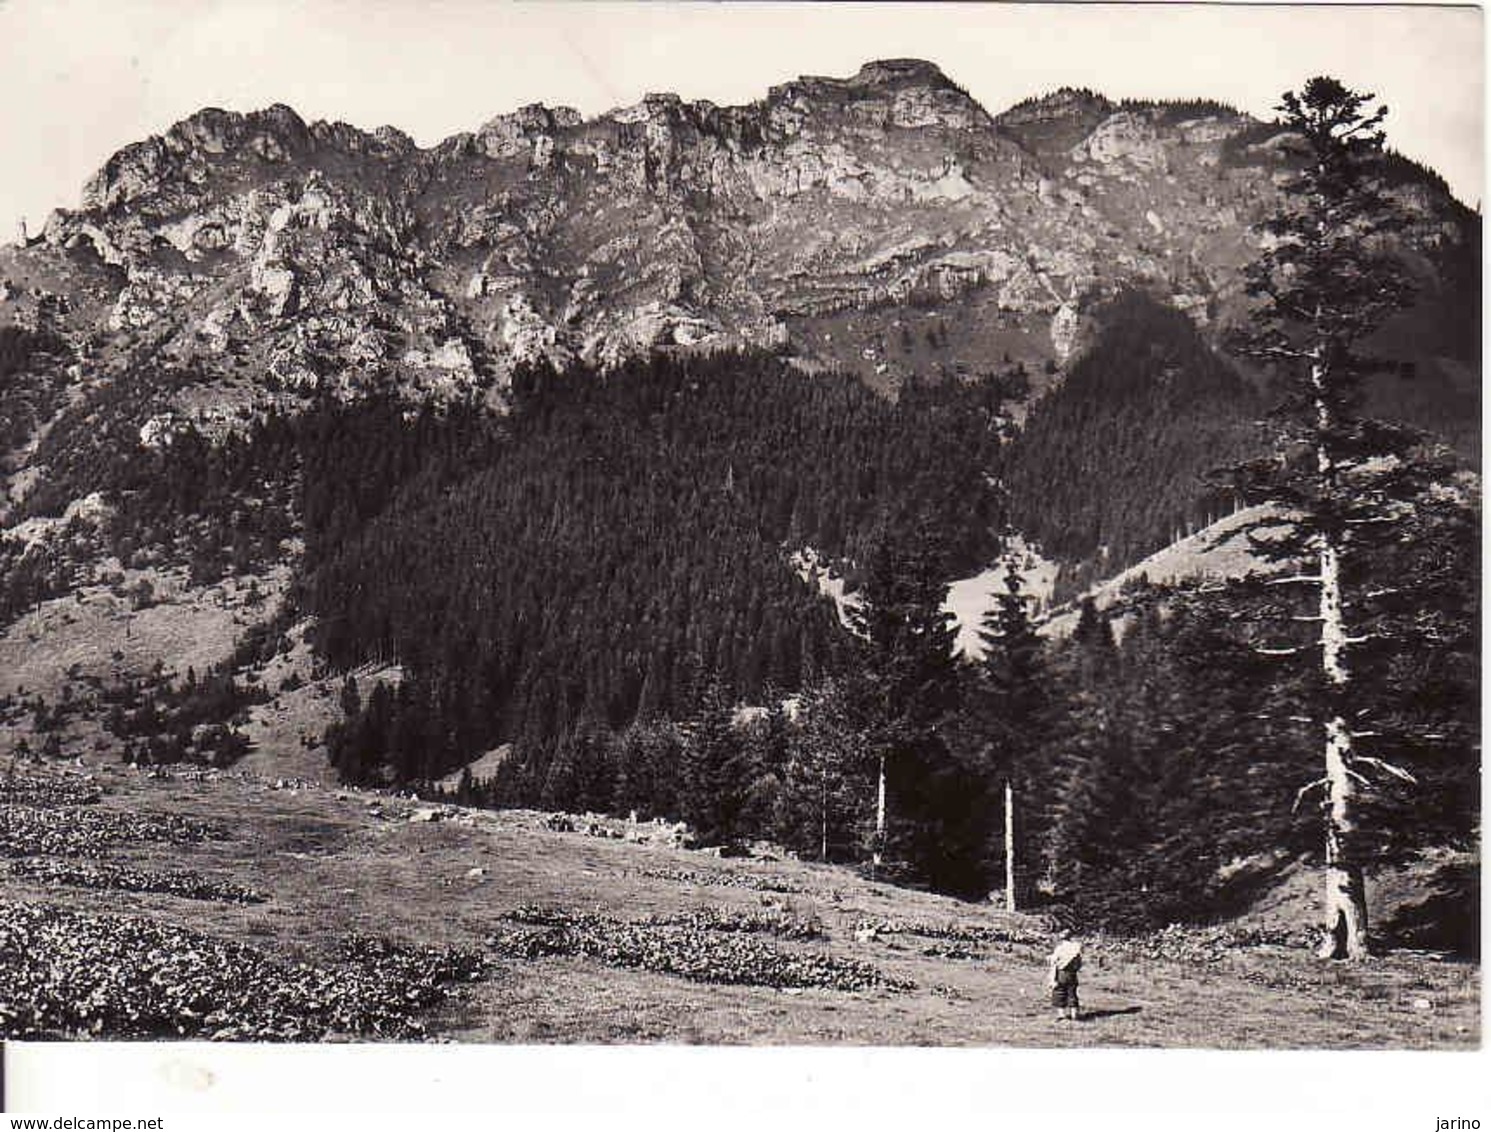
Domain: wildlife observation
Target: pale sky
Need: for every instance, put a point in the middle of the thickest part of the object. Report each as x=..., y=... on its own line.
x=81, y=78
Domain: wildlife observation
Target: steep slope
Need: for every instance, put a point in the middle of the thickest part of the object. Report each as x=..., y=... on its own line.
x=660, y=503
x=1218, y=550
x=1111, y=463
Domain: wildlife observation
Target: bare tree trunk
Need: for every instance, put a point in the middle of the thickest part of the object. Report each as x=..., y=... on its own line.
x=1009, y=846
x=823, y=817
x=1345, y=887
x=875, y=858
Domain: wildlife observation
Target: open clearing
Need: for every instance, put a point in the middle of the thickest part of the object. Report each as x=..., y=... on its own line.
x=335, y=863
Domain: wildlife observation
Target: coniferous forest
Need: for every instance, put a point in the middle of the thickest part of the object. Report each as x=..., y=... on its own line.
x=600, y=580
x=628, y=546
x=1110, y=465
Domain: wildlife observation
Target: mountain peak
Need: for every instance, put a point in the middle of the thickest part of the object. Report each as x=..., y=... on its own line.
x=901, y=72
x=1064, y=102
x=913, y=92
x=1050, y=124
x=215, y=130
x=793, y=222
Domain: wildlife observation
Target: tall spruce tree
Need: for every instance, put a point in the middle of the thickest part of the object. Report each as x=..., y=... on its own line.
x=1013, y=706
x=823, y=806
x=1327, y=282
x=714, y=777
x=1080, y=733
x=909, y=679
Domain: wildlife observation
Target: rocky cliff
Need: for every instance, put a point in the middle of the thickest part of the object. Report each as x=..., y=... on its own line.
x=884, y=222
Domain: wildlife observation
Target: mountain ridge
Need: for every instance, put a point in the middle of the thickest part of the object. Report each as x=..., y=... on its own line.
x=823, y=220
x=885, y=224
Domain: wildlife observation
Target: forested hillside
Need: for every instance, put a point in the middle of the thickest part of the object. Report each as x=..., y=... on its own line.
x=601, y=577
x=1111, y=464
x=625, y=541
x=27, y=397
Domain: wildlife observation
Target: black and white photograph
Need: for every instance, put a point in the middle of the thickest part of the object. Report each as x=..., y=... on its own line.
x=741, y=525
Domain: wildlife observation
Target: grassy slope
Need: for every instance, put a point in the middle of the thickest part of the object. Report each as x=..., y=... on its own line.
x=337, y=861
x=1217, y=551
x=286, y=732
x=108, y=639
x=184, y=626
x=969, y=599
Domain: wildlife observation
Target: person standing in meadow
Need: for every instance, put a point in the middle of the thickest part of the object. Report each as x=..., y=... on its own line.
x=1064, y=963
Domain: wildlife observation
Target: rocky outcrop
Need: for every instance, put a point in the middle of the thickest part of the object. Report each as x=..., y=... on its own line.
x=286, y=258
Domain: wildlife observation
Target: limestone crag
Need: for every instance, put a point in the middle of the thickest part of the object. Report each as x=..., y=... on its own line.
x=274, y=260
